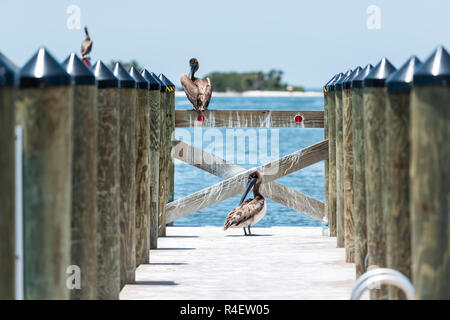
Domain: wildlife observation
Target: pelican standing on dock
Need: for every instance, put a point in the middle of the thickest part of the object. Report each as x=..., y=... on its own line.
x=198, y=91
x=251, y=211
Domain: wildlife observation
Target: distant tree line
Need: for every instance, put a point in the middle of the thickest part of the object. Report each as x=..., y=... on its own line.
x=126, y=65
x=235, y=81
x=239, y=82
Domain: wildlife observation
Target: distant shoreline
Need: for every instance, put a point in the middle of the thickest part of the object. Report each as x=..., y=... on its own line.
x=257, y=93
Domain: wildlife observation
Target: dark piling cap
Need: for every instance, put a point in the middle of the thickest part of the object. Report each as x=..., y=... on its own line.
x=378, y=75
x=435, y=71
x=80, y=73
x=141, y=83
x=326, y=86
x=401, y=80
x=339, y=84
x=349, y=79
x=357, y=82
x=169, y=84
x=105, y=78
x=153, y=80
x=332, y=85
x=7, y=72
x=43, y=71
x=125, y=80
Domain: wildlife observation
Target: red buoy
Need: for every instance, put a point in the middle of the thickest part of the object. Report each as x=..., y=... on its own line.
x=298, y=118
x=201, y=118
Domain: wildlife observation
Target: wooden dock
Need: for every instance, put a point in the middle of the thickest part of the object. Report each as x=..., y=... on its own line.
x=280, y=263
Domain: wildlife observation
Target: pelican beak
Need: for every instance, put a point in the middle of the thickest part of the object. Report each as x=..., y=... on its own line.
x=193, y=66
x=251, y=182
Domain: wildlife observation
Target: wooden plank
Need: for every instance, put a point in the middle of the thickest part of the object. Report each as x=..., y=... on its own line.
x=155, y=152
x=235, y=185
x=84, y=190
x=375, y=101
x=430, y=199
x=162, y=165
x=249, y=119
x=397, y=219
x=348, y=177
x=108, y=194
x=45, y=115
x=272, y=190
x=340, y=217
x=7, y=245
x=127, y=185
x=359, y=181
x=331, y=120
x=142, y=176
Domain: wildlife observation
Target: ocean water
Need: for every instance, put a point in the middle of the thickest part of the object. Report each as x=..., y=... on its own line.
x=280, y=142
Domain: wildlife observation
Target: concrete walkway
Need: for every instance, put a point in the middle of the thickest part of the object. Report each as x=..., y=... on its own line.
x=208, y=263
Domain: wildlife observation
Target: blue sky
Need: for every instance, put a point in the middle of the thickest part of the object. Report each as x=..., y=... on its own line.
x=309, y=40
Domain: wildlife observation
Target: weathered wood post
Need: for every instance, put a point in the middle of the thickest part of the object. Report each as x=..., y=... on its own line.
x=142, y=168
x=127, y=108
x=170, y=136
x=430, y=177
x=44, y=111
x=108, y=183
x=327, y=166
x=155, y=120
x=375, y=101
x=163, y=159
x=397, y=218
x=7, y=213
x=332, y=219
x=340, y=214
x=84, y=177
x=359, y=191
x=348, y=167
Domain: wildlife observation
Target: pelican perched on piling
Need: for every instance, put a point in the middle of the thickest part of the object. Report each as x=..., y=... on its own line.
x=251, y=211
x=86, y=45
x=197, y=90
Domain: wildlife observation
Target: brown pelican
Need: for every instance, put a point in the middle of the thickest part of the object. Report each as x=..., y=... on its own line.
x=197, y=90
x=86, y=45
x=251, y=211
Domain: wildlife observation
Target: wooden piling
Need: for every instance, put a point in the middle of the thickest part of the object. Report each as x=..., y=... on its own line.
x=108, y=183
x=170, y=116
x=348, y=167
x=397, y=218
x=127, y=107
x=326, y=136
x=340, y=214
x=44, y=111
x=332, y=156
x=163, y=159
x=430, y=177
x=375, y=100
x=155, y=120
x=7, y=185
x=84, y=177
x=142, y=168
x=359, y=192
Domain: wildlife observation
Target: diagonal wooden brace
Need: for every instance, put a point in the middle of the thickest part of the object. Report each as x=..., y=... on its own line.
x=236, y=177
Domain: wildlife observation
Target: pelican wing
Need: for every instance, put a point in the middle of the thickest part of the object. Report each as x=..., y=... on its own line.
x=190, y=89
x=86, y=47
x=243, y=213
x=206, y=98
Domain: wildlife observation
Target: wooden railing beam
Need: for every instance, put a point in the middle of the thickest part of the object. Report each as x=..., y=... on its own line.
x=249, y=119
